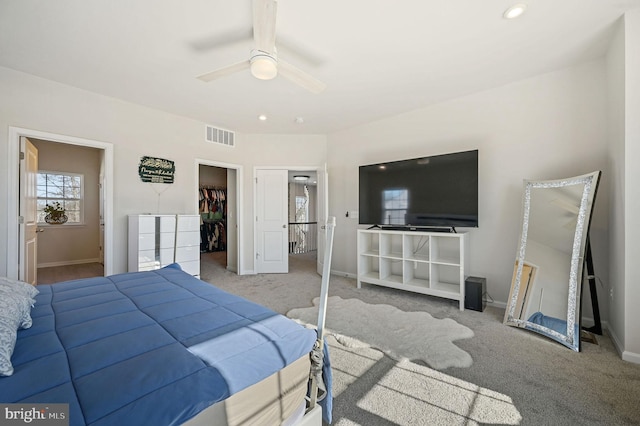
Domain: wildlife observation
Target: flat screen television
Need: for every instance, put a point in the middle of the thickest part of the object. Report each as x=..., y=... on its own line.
x=439, y=191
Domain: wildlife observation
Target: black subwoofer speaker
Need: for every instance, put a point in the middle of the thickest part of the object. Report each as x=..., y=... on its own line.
x=474, y=291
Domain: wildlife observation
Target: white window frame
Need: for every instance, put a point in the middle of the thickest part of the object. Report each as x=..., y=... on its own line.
x=62, y=200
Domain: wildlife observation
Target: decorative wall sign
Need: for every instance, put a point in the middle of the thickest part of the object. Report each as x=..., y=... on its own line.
x=156, y=170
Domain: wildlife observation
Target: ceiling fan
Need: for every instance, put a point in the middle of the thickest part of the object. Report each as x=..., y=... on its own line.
x=263, y=60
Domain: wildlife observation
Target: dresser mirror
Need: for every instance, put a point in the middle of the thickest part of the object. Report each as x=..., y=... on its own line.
x=548, y=271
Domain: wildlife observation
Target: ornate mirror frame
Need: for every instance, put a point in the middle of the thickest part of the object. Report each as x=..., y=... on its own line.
x=553, y=328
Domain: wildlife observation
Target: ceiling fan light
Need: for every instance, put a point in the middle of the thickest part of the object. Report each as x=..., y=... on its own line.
x=264, y=67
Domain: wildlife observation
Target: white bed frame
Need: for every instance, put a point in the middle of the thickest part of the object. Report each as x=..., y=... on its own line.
x=313, y=415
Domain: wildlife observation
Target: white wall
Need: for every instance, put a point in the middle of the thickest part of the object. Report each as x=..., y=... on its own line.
x=33, y=103
x=616, y=112
x=623, y=87
x=631, y=185
x=550, y=126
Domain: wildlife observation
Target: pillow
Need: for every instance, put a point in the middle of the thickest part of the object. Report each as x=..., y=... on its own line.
x=22, y=304
x=15, y=312
x=22, y=287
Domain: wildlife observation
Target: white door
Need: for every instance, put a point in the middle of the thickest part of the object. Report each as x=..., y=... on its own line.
x=101, y=201
x=28, y=261
x=323, y=214
x=272, y=231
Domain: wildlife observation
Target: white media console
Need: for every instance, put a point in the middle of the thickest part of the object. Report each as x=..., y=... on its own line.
x=433, y=263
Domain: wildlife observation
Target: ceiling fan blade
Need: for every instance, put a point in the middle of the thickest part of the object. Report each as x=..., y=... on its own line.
x=222, y=72
x=300, y=77
x=264, y=25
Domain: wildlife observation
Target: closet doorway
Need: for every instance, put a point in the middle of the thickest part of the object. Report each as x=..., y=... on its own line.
x=217, y=204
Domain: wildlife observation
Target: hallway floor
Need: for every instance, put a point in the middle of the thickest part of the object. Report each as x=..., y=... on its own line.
x=55, y=274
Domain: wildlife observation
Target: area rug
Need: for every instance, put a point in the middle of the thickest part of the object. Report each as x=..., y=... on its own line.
x=401, y=335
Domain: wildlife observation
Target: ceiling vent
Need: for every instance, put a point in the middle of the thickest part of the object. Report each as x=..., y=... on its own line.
x=221, y=136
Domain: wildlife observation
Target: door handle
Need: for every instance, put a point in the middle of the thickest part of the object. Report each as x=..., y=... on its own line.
x=284, y=226
x=40, y=230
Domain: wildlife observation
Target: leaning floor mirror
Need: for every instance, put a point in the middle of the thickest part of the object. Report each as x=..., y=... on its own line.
x=548, y=272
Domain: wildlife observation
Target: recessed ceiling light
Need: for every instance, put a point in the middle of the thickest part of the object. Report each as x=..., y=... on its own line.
x=299, y=120
x=514, y=11
x=262, y=117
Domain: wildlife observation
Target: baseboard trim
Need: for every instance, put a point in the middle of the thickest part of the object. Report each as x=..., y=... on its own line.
x=343, y=274
x=631, y=357
x=625, y=355
x=68, y=263
x=615, y=341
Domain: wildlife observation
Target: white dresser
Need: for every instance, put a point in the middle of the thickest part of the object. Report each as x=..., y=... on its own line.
x=159, y=240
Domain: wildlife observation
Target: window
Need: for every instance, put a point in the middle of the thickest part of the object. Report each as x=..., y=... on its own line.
x=396, y=203
x=300, y=231
x=302, y=209
x=64, y=188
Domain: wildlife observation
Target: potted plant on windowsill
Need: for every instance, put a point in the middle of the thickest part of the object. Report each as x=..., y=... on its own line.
x=55, y=214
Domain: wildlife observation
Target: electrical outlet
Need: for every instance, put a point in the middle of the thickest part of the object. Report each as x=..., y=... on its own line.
x=611, y=293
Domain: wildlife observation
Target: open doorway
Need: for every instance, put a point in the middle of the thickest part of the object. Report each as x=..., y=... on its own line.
x=290, y=217
x=303, y=219
x=218, y=197
x=213, y=209
x=16, y=164
x=69, y=177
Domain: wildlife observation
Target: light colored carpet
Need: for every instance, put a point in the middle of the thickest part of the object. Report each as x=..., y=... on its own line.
x=373, y=389
x=401, y=335
x=529, y=380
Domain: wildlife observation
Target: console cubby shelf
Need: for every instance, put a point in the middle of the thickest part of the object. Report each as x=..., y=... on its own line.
x=432, y=263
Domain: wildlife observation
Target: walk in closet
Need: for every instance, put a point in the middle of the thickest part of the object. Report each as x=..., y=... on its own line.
x=213, y=207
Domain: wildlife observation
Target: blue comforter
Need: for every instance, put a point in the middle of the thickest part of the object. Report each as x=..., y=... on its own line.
x=146, y=348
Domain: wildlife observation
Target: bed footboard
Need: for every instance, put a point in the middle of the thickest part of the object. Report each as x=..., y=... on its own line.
x=312, y=418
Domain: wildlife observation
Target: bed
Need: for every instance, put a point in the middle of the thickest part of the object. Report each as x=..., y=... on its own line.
x=164, y=348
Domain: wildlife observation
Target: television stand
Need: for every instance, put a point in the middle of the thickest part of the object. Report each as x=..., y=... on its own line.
x=432, y=263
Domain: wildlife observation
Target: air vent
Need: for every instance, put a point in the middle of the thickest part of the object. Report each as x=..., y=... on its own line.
x=221, y=136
